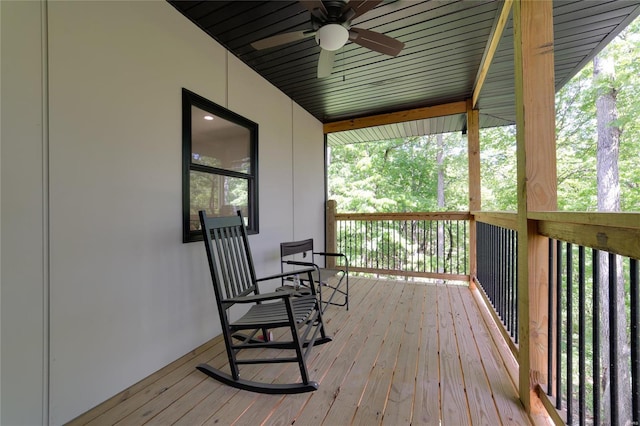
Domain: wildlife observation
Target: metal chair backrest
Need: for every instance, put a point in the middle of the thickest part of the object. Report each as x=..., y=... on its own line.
x=301, y=251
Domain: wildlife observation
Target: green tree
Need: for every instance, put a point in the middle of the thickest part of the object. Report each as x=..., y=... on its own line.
x=398, y=175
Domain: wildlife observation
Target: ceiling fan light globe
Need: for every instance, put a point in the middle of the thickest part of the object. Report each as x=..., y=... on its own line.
x=332, y=36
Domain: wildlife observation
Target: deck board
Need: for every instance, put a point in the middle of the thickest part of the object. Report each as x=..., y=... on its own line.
x=504, y=391
x=344, y=408
x=426, y=406
x=375, y=395
x=399, y=404
x=404, y=353
x=482, y=408
x=453, y=398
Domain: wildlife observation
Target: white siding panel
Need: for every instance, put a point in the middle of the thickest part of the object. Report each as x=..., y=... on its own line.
x=23, y=269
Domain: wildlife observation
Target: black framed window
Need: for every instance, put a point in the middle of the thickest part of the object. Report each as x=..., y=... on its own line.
x=219, y=164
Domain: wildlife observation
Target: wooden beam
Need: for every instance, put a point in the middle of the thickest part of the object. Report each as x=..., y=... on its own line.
x=475, y=202
x=394, y=272
x=608, y=219
x=507, y=220
x=397, y=117
x=330, y=243
x=537, y=183
x=622, y=241
x=491, y=50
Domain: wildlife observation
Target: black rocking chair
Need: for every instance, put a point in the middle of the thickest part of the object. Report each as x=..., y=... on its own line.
x=234, y=282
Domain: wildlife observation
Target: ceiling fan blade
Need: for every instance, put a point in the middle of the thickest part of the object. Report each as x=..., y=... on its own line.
x=358, y=7
x=280, y=39
x=325, y=63
x=376, y=41
x=317, y=8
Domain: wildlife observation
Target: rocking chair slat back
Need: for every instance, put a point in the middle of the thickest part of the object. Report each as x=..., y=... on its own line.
x=234, y=275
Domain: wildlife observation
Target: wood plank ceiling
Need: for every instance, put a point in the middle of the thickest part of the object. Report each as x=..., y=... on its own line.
x=445, y=42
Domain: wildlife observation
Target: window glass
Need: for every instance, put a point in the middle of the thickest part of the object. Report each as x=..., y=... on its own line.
x=219, y=143
x=218, y=195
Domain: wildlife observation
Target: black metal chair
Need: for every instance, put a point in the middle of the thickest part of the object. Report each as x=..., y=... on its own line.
x=234, y=282
x=291, y=254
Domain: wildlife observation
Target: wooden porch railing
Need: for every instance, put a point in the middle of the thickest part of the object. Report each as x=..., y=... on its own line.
x=573, y=321
x=577, y=320
x=425, y=245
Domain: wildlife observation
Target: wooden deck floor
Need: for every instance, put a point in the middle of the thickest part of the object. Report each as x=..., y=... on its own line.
x=404, y=353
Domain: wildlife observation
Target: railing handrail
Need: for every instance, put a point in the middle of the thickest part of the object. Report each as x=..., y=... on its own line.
x=630, y=220
x=453, y=215
x=507, y=220
x=613, y=232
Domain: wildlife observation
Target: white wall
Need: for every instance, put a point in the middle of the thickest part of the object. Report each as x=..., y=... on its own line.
x=126, y=296
x=308, y=165
x=23, y=381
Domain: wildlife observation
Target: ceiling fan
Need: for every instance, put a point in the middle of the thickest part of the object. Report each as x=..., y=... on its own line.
x=331, y=26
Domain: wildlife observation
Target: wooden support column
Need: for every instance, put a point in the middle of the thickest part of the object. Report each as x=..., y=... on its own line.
x=331, y=236
x=475, y=200
x=537, y=183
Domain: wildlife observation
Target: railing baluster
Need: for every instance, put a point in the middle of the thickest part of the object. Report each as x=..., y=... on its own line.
x=596, y=334
x=634, y=319
x=513, y=277
x=424, y=246
x=408, y=243
x=492, y=278
x=613, y=338
x=449, y=251
x=559, y=325
x=388, y=264
x=367, y=243
x=500, y=293
x=505, y=282
x=466, y=263
x=396, y=237
x=431, y=246
x=438, y=254
x=569, y=334
x=457, y=246
x=550, y=322
x=413, y=237
x=513, y=281
x=494, y=274
x=582, y=336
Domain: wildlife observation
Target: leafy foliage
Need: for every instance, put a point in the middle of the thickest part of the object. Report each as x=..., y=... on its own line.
x=401, y=175
x=398, y=175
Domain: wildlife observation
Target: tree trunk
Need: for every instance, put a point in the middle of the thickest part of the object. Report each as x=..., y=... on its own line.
x=440, y=162
x=609, y=200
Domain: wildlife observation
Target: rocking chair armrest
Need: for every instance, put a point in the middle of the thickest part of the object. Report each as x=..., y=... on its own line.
x=253, y=298
x=286, y=274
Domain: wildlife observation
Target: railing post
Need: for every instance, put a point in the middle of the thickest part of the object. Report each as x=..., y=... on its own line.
x=330, y=243
x=475, y=203
x=537, y=183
